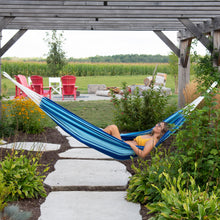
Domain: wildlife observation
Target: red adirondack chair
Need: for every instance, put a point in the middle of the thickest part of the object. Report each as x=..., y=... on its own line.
x=23, y=81
x=37, y=86
x=68, y=86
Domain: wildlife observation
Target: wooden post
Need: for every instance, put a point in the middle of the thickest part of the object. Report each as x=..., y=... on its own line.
x=183, y=70
x=0, y=77
x=216, y=49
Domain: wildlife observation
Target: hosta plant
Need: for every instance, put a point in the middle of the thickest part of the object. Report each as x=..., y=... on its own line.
x=183, y=199
x=21, y=174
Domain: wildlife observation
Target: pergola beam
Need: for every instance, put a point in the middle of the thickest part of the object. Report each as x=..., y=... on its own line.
x=140, y=15
x=196, y=32
x=168, y=42
x=12, y=41
x=4, y=21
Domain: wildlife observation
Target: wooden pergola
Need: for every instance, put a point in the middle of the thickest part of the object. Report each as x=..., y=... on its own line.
x=191, y=19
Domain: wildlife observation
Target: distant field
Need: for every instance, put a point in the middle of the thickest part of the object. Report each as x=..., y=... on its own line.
x=84, y=69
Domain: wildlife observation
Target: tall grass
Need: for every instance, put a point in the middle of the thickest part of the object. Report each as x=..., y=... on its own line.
x=83, y=69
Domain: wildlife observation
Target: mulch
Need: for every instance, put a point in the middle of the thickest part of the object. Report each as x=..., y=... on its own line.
x=51, y=135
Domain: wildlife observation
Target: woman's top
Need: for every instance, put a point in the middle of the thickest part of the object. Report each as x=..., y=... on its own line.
x=141, y=141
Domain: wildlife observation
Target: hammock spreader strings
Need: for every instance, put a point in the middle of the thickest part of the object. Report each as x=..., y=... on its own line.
x=92, y=135
x=78, y=127
x=31, y=94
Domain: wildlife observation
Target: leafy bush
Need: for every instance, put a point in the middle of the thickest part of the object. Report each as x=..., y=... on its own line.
x=4, y=192
x=21, y=175
x=6, y=129
x=198, y=142
x=24, y=115
x=183, y=199
x=205, y=72
x=140, y=187
x=136, y=113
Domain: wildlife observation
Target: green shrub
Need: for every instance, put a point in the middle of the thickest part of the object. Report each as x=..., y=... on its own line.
x=183, y=199
x=205, y=72
x=21, y=175
x=140, y=188
x=198, y=142
x=6, y=129
x=136, y=113
x=4, y=192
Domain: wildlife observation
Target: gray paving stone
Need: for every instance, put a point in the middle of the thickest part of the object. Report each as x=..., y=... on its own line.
x=88, y=175
x=62, y=131
x=31, y=146
x=83, y=153
x=75, y=143
x=89, y=206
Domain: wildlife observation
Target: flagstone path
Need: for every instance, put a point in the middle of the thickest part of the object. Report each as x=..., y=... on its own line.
x=87, y=185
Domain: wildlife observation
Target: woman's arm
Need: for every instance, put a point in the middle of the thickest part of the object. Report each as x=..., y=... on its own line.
x=147, y=148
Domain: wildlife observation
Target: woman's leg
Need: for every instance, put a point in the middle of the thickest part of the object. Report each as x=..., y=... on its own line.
x=113, y=130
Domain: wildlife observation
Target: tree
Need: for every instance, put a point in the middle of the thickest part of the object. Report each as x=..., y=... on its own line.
x=56, y=59
x=173, y=63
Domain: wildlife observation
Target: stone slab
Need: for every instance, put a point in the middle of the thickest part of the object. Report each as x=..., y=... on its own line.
x=92, y=88
x=31, y=146
x=62, y=131
x=75, y=143
x=88, y=206
x=88, y=175
x=83, y=153
x=103, y=93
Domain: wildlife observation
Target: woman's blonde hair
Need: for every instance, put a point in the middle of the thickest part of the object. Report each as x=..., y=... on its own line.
x=163, y=131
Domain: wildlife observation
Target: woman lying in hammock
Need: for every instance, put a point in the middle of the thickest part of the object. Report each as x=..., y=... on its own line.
x=147, y=141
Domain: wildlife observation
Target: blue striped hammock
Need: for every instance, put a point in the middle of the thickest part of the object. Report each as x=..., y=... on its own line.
x=93, y=136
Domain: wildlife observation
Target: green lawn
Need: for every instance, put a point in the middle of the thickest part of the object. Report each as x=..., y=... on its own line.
x=82, y=82
x=99, y=113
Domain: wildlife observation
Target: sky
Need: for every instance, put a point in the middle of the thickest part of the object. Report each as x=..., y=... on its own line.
x=82, y=44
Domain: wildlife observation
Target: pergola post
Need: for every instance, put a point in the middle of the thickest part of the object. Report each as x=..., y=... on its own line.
x=183, y=70
x=0, y=77
x=216, y=48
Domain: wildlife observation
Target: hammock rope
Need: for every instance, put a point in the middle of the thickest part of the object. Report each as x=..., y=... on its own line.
x=30, y=93
x=93, y=136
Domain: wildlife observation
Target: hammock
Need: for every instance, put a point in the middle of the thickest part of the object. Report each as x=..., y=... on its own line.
x=93, y=136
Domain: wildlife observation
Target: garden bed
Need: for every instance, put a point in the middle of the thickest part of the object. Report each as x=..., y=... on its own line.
x=49, y=158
